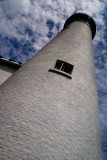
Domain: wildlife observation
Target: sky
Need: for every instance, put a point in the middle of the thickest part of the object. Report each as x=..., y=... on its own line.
x=27, y=25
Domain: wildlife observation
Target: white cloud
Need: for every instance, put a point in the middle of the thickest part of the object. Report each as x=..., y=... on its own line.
x=15, y=15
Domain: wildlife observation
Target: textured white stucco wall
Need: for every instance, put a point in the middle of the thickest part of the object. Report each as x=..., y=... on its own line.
x=7, y=68
x=5, y=72
x=46, y=116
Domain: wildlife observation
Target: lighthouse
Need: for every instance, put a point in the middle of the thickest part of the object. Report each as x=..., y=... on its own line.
x=49, y=107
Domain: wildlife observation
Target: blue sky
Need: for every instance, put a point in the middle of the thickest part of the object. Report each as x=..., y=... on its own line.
x=27, y=25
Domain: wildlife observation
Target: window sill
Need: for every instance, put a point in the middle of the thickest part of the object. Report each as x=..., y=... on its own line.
x=60, y=72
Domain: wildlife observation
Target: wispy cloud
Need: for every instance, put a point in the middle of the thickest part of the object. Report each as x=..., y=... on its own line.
x=27, y=20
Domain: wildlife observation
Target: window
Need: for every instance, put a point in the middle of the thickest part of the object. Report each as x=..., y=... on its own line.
x=63, y=68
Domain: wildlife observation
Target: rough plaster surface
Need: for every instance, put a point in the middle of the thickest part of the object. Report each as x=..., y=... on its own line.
x=46, y=116
x=5, y=72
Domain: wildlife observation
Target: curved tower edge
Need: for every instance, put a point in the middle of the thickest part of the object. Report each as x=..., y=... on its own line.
x=83, y=18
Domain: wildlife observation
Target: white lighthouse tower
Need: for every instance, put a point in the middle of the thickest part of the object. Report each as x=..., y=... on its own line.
x=49, y=107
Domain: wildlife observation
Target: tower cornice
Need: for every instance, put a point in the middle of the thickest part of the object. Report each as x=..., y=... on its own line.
x=83, y=18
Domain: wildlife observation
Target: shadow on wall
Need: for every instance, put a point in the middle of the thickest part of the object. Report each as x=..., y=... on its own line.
x=9, y=65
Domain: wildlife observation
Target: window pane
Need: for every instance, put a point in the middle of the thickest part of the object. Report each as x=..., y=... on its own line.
x=58, y=64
